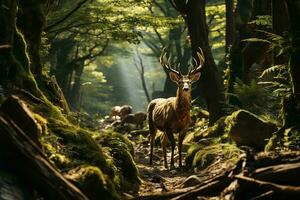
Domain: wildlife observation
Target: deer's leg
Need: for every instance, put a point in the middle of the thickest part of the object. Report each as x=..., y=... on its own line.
x=172, y=140
x=164, y=141
x=152, y=138
x=180, y=140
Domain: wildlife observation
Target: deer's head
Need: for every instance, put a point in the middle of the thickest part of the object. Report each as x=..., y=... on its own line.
x=184, y=82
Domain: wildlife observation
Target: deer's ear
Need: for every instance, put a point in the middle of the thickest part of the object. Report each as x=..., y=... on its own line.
x=195, y=77
x=174, y=77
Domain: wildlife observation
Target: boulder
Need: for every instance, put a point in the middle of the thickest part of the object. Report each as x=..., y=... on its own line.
x=249, y=129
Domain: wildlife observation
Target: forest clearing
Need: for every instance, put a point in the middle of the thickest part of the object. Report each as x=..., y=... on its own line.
x=149, y=99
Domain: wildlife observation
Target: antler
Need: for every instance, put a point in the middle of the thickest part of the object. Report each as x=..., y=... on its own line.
x=198, y=65
x=166, y=65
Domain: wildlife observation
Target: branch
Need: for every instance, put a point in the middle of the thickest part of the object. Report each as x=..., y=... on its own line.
x=47, y=28
x=179, y=6
x=141, y=71
x=160, y=7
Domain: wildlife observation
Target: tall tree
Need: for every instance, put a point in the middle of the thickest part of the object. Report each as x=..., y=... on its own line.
x=230, y=25
x=210, y=84
x=292, y=103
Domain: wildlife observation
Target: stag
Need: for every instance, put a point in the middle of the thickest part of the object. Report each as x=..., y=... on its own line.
x=172, y=115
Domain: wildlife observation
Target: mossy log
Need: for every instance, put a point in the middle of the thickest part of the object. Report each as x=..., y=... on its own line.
x=30, y=163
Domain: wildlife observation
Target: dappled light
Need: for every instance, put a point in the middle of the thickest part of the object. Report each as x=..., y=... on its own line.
x=149, y=99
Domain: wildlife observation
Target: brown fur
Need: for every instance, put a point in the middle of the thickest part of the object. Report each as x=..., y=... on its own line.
x=121, y=111
x=171, y=115
x=137, y=118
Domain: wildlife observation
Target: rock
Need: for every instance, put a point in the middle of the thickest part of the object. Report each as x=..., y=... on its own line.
x=18, y=111
x=92, y=182
x=248, y=129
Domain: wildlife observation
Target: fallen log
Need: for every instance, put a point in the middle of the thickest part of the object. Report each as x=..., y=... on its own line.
x=280, y=191
x=29, y=162
x=281, y=174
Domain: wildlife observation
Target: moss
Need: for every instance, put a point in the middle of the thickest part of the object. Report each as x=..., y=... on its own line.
x=69, y=146
x=80, y=144
x=208, y=151
x=191, y=154
x=121, y=149
x=94, y=183
x=41, y=124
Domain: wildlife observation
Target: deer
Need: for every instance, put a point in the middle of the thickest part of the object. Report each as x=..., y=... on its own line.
x=172, y=115
x=137, y=118
x=121, y=111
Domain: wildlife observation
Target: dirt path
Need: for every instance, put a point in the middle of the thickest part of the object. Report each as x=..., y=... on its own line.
x=157, y=180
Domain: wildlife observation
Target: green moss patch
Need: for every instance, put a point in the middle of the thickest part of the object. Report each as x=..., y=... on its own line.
x=121, y=150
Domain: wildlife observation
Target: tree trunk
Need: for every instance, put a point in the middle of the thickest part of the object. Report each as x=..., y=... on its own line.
x=14, y=61
x=280, y=26
x=31, y=20
x=75, y=92
x=291, y=104
x=210, y=83
x=229, y=25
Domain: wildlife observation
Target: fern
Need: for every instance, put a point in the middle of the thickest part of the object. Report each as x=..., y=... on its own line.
x=277, y=43
x=272, y=70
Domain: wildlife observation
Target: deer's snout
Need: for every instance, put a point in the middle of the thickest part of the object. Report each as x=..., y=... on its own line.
x=186, y=87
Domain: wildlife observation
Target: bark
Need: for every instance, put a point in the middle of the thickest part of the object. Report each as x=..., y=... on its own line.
x=291, y=103
x=294, y=14
x=210, y=83
x=256, y=52
x=280, y=25
x=75, y=91
x=31, y=20
x=229, y=25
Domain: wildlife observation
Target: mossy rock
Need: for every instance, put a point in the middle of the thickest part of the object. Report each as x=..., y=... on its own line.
x=205, y=153
x=248, y=129
x=93, y=183
x=121, y=150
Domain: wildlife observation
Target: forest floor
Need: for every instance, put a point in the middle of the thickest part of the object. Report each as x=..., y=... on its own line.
x=156, y=179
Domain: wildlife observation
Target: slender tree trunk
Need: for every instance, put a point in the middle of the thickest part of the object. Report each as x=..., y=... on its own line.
x=280, y=25
x=230, y=28
x=210, y=83
x=75, y=92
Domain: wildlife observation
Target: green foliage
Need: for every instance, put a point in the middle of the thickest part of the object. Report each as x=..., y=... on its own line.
x=216, y=21
x=264, y=21
x=252, y=97
x=281, y=82
x=277, y=43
